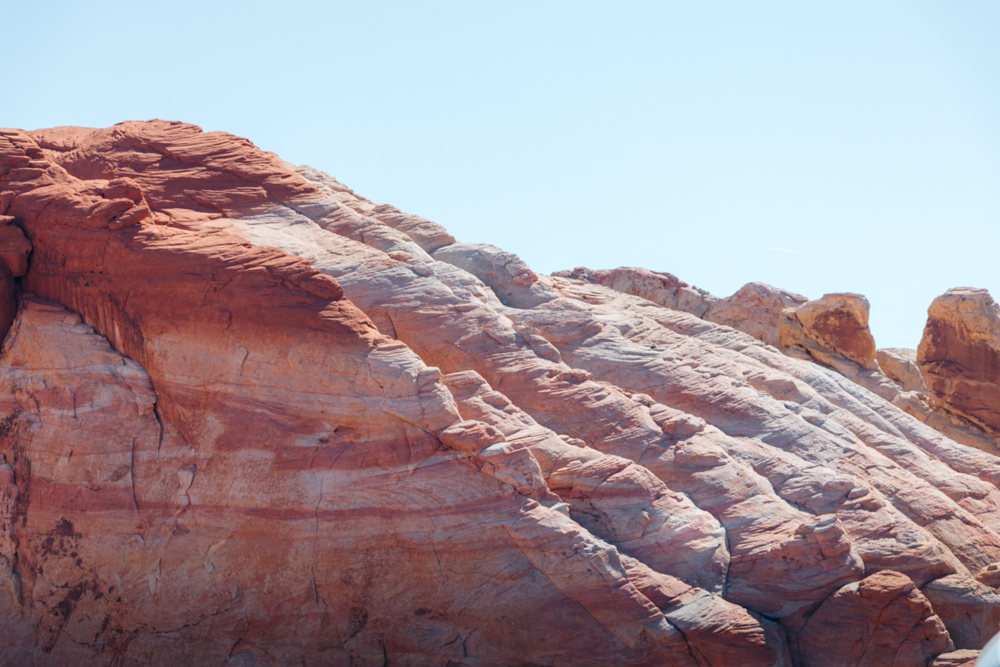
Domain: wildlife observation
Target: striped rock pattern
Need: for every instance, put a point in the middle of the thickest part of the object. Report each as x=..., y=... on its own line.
x=250, y=417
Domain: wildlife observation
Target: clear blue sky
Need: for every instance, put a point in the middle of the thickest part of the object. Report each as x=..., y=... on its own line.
x=848, y=146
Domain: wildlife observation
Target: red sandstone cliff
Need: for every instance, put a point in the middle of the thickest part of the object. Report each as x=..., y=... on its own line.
x=250, y=417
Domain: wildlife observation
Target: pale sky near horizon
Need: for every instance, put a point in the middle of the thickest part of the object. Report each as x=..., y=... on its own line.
x=818, y=147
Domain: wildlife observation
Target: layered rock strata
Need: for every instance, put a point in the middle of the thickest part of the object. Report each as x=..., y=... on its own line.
x=833, y=331
x=250, y=416
x=959, y=355
x=882, y=620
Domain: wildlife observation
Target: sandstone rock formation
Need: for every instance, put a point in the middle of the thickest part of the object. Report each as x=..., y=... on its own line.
x=664, y=289
x=900, y=366
x=755, y=309
x=836, y=325
x=960, y=658
x=960, y=356
x=881, y=620
x=832, y=331
x=249, y=416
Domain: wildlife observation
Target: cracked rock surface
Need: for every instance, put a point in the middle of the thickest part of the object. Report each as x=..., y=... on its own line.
x=251, y=417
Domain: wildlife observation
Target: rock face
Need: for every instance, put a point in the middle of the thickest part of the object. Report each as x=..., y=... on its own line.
x=901, y=367
x=960, y=356
x=881, y=620
x=755, y=309
x=250, y=417
x=664, y=289
x=960, y=658
x=832, y=331
x=837, y=324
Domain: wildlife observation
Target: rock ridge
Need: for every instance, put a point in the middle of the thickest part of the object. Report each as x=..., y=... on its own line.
x=253, y=417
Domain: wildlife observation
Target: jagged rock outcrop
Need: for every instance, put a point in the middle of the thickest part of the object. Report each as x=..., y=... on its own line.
x=959, y=355
x=755, y=309
x=834, y=326
x=249, y=415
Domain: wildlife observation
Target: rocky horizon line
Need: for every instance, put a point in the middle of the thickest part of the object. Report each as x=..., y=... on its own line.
x=248, y=416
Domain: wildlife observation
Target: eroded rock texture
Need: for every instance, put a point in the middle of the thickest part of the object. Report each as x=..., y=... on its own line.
x=960, y=356
x=881, y=620
x=251, y=417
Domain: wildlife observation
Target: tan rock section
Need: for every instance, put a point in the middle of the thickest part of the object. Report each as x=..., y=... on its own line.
x=958, y=429
x=882, y=620
x=970, y=622
x=664, y=289
x=961, y=658
x=259, y=474
x=960, y=356
x=755, y=309
x=612, y=497
x=900, y=366
x=833, y=331
x=837, y=323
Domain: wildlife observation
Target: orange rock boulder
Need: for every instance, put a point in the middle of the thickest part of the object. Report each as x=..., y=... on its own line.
x=836, y=325
x=960, y=356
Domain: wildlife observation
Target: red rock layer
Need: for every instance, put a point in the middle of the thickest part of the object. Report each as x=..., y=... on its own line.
x=228, y=437
x=960, y=356
x=881, y=620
